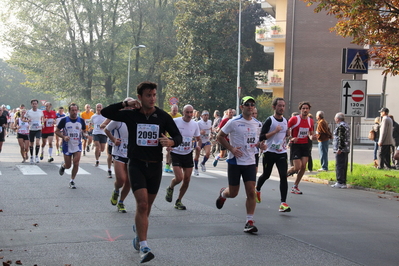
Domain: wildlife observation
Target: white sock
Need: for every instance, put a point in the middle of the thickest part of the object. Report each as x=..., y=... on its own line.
x=143, y=244
x=250, y=217
x=50, y=152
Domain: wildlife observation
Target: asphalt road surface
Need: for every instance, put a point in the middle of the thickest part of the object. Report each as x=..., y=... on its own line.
x=43, y=222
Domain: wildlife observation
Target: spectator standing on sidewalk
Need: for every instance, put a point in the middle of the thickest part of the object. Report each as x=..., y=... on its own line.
x=395, y=136
x=324, y=135
x=376, y=129
x=341, y=146
x=385, y=140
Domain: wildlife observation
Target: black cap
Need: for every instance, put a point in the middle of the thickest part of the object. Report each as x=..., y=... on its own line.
x=384, y=109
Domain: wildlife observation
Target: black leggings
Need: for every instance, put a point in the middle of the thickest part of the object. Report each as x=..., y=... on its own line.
x=269, y=159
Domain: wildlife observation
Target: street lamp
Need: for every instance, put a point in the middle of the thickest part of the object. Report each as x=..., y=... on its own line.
x=128, y=67
x=239, y=62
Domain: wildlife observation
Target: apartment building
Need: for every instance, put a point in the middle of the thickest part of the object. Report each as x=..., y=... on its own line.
x=308, y=62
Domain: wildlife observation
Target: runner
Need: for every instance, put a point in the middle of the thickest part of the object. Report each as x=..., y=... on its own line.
x=301, y=129
x=147, y=127
x=223, y=150
x=86, y=115
x=3, y=124
x=22, y=128
x=48, y=131
x=205, y=126
x=35, y=118
x=182, y=156
x=244, y=137
x=119, y=138
x=99, y=137
x=70, y=129
x=274, y=131
x=174, y=113
x=60, y=114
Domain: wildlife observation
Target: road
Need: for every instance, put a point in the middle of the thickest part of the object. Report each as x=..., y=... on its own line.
x=43, y=222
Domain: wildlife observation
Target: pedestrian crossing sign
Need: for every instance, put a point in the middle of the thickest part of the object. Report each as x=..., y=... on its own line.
x=354, y=61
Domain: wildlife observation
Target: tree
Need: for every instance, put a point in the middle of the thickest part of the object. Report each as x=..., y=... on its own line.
x=204, y=71
x=12, y=91
x=368, y=22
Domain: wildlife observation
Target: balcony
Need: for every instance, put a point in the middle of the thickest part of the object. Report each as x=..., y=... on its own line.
x=270, y=34
x=270, y=79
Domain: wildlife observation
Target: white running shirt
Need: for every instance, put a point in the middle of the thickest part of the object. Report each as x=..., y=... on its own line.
x=35, y=119
x=97, y=120
x=244, y=134
x=207, y=127
x=119, y=131
x=188, y=131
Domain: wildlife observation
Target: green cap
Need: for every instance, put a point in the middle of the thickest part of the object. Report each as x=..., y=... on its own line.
x=246, y=98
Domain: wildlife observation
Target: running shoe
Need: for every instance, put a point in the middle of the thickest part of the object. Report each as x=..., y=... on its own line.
x=62, y=169
x=179, y=205
x=57, y=153
x=41, y=156
x=203, y=168
x=114, y=198
x=146, y=254
x=31, y=160
x=295, y=190
x=136, y=240
x=338, y=185
x=97, y=163
x=215, y=162
x=169, y=194
x=284, y=207
x=37, y=159
x=84, y=153
x=109, y=173
x=257, y=196
x=72, y=185
x=250, y=227
x=88, y=148
x=220, y=200
x=167, y=169
x=23, y=160
x=196, y=173
x=50, y=159
x=121, y=207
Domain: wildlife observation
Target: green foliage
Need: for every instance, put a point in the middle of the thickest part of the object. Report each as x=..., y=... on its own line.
x=264, y=106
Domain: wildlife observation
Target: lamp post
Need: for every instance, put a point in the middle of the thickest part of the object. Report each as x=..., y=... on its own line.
x=128, y=67
x=239, y=62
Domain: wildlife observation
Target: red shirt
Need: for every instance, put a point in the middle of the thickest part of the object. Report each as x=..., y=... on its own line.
x=222, y=123
x=49, y=121
x=302, y=129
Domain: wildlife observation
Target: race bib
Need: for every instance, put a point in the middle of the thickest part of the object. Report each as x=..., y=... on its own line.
x=74, y=138
x=123, y=147
x=303, y=133
x=49, y=122
x=147, y=135
x=186, y=144
x=250, y=140
x=35, y=125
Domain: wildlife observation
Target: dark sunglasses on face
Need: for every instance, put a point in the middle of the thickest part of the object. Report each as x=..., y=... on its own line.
x=249, y=104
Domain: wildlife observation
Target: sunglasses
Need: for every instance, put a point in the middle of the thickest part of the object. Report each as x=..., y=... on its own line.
x=249, y=104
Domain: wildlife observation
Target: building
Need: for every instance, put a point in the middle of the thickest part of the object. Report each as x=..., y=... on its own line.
x=308, y=63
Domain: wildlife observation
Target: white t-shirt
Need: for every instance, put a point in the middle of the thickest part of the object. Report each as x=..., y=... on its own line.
x=188, y=130
x=119, y=131
x=206, y=126
x=97, y=120
x=35, y=119
x=245, y=135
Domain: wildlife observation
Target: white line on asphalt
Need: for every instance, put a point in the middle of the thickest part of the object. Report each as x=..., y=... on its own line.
x=105, y=168
x=31, y=170
x=80, y=171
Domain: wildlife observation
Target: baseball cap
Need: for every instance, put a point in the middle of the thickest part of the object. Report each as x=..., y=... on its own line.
x=384, y=109
x=246, y=98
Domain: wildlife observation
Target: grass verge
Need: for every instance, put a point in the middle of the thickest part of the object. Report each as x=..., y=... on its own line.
x=363, y=175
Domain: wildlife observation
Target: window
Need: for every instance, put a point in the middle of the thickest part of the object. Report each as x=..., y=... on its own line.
x=373, y=105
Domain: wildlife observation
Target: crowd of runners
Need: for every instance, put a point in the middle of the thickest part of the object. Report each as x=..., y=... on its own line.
x=134, y=134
